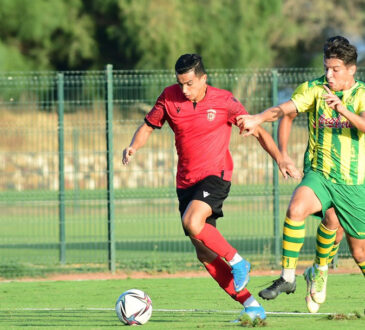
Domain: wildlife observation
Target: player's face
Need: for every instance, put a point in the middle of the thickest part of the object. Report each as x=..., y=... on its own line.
x=192, y=86
x=339, y=76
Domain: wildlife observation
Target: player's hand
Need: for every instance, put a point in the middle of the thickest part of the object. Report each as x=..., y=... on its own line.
x=287, y=167
x=332, y=100
x=286, y=158
x=247, y=124
x=127, y=154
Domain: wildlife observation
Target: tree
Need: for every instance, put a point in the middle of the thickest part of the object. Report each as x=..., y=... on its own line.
x=312, y=22
x=151, y=34
x=230, y=33
x=41, y=34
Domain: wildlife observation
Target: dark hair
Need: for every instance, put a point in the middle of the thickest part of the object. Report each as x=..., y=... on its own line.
x=339, y=47
x=188, y=62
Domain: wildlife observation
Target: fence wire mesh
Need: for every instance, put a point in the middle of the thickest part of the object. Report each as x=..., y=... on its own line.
x=147, y=229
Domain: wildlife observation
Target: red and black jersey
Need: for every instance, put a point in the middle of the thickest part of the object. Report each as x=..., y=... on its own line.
x=202, y=132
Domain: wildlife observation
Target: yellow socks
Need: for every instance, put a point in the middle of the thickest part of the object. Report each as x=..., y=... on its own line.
x=362, y=267
x=293, y=239
x=324, y=243
x=333, y=253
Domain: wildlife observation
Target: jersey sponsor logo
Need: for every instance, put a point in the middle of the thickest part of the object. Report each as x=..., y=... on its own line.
x=332, y=122
x=205, y=194
x=211, y=114
x=178, y=109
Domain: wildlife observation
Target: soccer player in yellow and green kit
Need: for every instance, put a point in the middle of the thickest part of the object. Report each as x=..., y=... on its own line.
x=335, y=105
x=329, y=229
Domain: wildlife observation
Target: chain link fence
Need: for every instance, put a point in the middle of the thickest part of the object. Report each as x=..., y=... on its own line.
x=65, y=197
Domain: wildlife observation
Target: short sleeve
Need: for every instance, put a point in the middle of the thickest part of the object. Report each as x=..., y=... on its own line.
x=304, y=98
x=235, y=108
x=157, y=116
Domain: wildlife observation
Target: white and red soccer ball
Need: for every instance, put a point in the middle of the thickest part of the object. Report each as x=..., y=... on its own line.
x=134, y=307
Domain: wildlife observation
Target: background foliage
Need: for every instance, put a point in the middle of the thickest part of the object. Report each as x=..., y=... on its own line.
x=146, y=34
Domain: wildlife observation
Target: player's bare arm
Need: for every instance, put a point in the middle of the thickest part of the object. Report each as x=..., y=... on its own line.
x=284, y=134
x=336, y=104
x=267, y=142
x=248, y=123
x=139, y=139
x=284, y=130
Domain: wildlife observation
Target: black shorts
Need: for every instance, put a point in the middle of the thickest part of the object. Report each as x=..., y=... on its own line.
x=212, y=190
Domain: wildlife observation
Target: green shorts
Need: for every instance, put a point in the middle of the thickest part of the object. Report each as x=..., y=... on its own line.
x=347, y=200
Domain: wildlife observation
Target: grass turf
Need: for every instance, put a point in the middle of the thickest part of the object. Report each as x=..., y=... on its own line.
x=179, y=303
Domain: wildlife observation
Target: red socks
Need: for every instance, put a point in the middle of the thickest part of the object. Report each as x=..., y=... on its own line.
x=221, y=272
x=214, y=240
x=219, y=269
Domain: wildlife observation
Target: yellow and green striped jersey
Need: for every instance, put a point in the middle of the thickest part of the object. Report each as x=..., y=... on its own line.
x=335, y=148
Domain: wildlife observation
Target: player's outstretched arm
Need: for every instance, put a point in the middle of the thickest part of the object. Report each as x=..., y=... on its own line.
x=248, y=123
x=284, y=129
x=139, y=139
x=286, y=168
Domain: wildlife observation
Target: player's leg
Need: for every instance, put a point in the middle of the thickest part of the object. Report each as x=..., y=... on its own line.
x=194, y=222
x=329, y=232
x=303, y=203
x=326, y=237
x=316, y=275
x=350, y=208
x=221, y=273
x=206, y=203
x=357, y=248
x=336, y=244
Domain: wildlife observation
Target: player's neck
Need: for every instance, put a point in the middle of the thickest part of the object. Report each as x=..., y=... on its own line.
x=348, y=85
x=201, y=95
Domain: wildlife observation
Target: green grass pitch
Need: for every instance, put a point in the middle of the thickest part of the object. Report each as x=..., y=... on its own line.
x=178, y=303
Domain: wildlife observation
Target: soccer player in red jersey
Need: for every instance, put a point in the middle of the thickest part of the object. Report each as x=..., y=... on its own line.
x=201, y=118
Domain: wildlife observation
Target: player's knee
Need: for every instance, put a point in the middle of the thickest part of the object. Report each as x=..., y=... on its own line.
x=192, y=225
x=296, y=211
x=358, y=254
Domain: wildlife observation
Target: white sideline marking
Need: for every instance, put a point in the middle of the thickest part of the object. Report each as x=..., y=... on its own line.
x=237, y=311
x=164, y=310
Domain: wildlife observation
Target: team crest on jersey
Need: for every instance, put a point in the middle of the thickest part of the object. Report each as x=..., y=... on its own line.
x=211, y=114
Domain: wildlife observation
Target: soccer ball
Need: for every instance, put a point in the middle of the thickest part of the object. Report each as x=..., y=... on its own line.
x=134, y=307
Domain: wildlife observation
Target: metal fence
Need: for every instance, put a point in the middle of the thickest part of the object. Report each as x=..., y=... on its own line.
x=65, y=198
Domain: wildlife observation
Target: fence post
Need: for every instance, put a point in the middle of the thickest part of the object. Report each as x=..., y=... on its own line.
x=275, y=174
x=75, y=143
x=110, y=168
x=61, y=173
